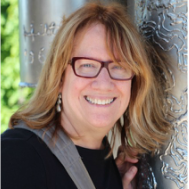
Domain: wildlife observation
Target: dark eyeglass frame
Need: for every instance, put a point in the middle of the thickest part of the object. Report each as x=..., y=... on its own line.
x=104, y=64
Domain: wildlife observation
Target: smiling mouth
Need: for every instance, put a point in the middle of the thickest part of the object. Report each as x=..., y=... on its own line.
x=99, y=101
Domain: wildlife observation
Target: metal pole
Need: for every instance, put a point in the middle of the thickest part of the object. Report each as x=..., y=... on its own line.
x=164, y=22
x=39, y=21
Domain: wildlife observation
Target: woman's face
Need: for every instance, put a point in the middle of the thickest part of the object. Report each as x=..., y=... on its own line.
x=82, y=97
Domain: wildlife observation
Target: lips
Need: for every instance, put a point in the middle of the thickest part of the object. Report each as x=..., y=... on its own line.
x=98, y=101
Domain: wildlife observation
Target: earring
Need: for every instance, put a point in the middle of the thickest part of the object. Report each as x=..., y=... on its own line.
x=58, y=103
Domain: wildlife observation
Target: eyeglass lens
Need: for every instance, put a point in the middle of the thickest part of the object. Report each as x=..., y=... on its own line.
x=91, y=68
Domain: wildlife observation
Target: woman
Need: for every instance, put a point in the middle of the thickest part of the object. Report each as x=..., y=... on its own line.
x=97, y=77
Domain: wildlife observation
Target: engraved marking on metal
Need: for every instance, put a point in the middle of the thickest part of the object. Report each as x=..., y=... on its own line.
x=41, y=57
x=168, y=13
x=175, y=157
x=31, y=56
x=171, y=83
x=177, y=105
x=47, y=30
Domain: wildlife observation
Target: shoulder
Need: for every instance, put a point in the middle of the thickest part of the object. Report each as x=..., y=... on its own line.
x=16, y=134
x=17, y=141
x=22, y=164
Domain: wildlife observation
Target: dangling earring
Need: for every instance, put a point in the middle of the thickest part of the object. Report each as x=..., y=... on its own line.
x=58, y=103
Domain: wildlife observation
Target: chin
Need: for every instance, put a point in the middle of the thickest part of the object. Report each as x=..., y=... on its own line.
x=103, y=124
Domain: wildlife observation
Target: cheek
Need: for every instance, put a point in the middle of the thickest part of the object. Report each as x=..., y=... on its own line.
x=70, y=82
x=74, y=87
x=126, y=93
x=67, y=87
x=77, y=85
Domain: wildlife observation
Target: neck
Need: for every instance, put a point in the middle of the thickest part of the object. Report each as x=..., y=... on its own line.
x=86, y=137
x=90, y=143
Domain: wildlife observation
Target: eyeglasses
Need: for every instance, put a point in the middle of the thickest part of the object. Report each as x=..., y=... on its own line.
x=90, y=68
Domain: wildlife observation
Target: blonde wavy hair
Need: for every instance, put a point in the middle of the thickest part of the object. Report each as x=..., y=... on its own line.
x=145, y=127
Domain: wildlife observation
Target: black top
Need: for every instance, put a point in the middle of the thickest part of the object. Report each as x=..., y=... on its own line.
x=27, y=163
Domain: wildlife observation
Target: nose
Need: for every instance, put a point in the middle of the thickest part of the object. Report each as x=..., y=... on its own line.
x=103, y=81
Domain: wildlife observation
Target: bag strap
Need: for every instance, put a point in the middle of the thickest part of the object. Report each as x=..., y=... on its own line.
x=65, y=151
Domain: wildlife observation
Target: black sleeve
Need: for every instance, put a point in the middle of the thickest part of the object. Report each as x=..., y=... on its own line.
x=21, y=166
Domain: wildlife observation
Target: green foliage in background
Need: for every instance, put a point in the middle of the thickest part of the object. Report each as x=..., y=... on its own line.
x=11, y=94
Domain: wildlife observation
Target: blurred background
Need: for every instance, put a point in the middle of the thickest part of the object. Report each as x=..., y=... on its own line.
x=12, y=96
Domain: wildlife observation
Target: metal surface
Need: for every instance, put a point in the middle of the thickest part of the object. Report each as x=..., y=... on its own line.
x=39, y=21
x=164, y=22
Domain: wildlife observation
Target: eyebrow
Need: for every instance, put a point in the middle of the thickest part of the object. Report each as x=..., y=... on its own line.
x=97, y=59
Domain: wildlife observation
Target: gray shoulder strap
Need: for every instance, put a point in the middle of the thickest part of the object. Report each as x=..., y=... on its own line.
x=64, y=149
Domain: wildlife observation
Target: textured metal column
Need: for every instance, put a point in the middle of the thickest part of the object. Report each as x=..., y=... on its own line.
x=164, y=22
x=39, y=21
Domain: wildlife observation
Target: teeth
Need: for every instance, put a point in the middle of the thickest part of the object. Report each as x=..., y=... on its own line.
x=99, y=102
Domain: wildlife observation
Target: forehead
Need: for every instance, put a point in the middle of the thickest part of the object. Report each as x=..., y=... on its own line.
x=91, y=42
x=89, y=35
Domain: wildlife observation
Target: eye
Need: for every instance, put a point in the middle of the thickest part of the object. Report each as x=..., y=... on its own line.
x=118, y=67
x=90, y=65
x=87, y=65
